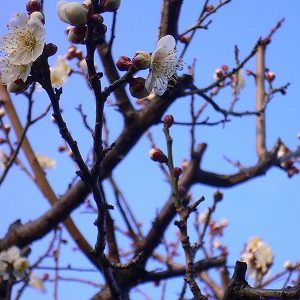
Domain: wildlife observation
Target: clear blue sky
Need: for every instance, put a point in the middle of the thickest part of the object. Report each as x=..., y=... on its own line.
x=268, y=206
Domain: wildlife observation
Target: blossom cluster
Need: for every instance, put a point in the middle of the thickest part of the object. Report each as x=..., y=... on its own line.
x=258, y=256
x=21, y=47
x=12, y=263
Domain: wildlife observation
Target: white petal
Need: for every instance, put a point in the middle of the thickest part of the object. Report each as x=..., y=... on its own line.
x=167, y=43
x=150, y=82
x=161, y=84
x=18, y=19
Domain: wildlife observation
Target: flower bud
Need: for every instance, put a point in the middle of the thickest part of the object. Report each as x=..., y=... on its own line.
x=185, y=39
x=38, y=15
x=124, y=63
x=73, y=13
x=110, y=5
x=270, y=76
x=137, y=87
x=209, y=8
x=18, y=86
x=77, y=35
x=185, y=164
x=71, y=53
x=249, y=72
x=177, y=172
x=2, y=113
x=6, y=128
x=50, y=49
x=218, y=74
x=142, y=60
x=33, y=6
x=218, y=196
x=168, y=121
x=288, y=265
x=157, y=155
x=224, y=68
x=265, y=41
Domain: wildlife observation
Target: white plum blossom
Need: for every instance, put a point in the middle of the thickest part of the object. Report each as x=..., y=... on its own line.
x=164, y=64
x=37, y=283
x=25, y=41
x=73, y=13
x=46, y=162
x=60, y=72
x=258, y=256
x=11, y=72
x=11, y=262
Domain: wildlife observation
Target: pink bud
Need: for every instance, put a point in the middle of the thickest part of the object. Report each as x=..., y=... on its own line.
x=177, y=172
x=33, y=5
x=157, y=155
x=225, y=68
x=270, y=76
x=168, y=121
x=137, y=87
x=124, y=63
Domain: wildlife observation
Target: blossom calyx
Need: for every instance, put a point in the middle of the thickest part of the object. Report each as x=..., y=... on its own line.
x=124, y=63
x=157, y=155
x=33, y=5
x=142, y=60
x=18, y=86
x=73, y=13
x=110, y=5
x=77, y=34
x=168, y=121
x=137, y=87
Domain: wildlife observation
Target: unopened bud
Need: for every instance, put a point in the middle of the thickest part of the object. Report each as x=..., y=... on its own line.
x=288, y=265
x=157, y=155
x=124, y=63
x=249, y=72
x=218, y=74
x=185, y=39
x=96, y=18
x=209, y=8
x=225, y=68
x=71, y=53
x=18, y=86
x=142, y=60
x=137, y=87
x=168, y=121
x=62, y=148
x=77, y=35
x=110, y=5
x=38, y=15
x=2, y=113
x=73, y=13
x=218, y=196
x=270, y=76
x=177, y=172
x=50, y=49
x=33, y=6
x=6, y=128
x=265, y=41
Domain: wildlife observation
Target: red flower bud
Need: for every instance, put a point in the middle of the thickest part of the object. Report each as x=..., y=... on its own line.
x=50, y=49
x=110, y=5
x=225, y=68
x=33, y=5
x=209, y=8
x=270, y=76
x=184, y=39
x=158, y=155
x=137, y=87
x=218, y=196
x=124, y=63
x=177, y=172
x=168, y=121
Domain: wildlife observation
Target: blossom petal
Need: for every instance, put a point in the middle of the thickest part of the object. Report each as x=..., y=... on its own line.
x=167, y=42
x=150, y=82
x=161, y=84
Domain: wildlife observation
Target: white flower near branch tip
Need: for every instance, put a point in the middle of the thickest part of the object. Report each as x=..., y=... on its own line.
x=11, y=261
x=10, y=72
x=37, y=283
x=258, y=256
x=164, y=64
x=46, y=162
x=25, y=41
x=73, y=13
x=60, y=72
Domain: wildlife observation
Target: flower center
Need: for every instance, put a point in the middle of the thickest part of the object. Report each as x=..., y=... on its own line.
x=29, y=42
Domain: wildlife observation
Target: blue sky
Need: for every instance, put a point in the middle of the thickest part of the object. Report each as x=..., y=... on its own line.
x=267, y=206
